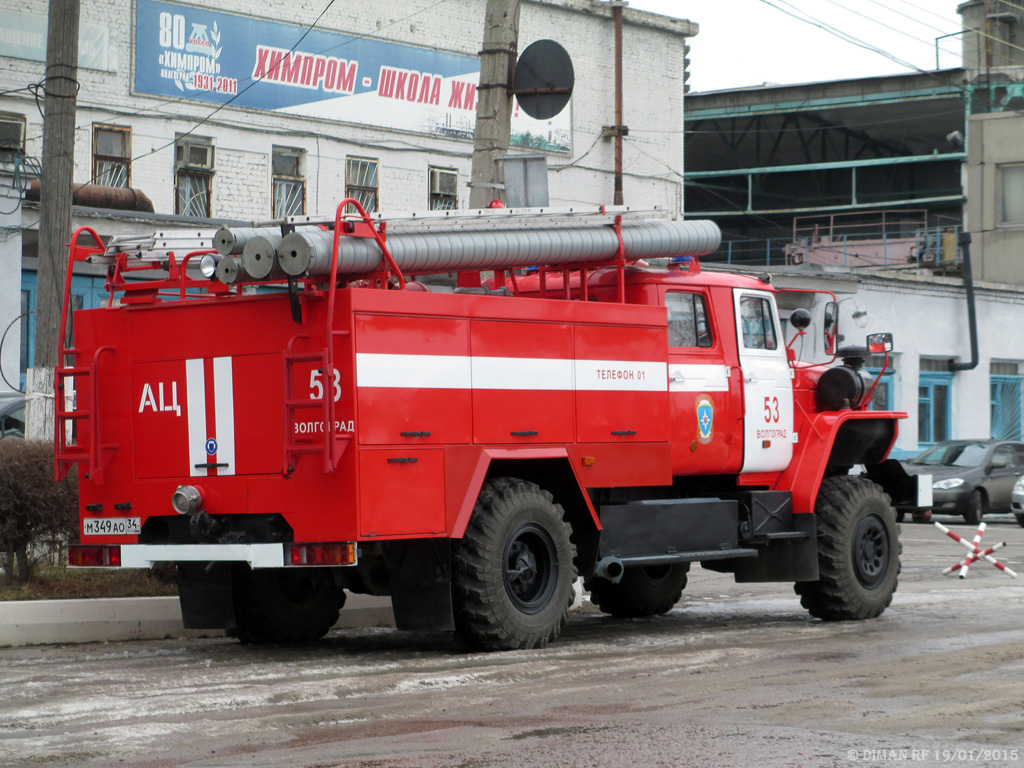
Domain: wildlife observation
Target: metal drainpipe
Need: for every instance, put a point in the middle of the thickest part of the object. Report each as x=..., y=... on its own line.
x=972, y=321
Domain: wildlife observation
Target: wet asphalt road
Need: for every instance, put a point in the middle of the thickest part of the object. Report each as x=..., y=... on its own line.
x=735, y=675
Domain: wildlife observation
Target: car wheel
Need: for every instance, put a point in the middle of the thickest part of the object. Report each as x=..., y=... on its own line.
x=923, y=516
x=975, y=507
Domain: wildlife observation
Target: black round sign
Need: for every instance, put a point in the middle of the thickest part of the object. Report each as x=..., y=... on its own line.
x=543, y=79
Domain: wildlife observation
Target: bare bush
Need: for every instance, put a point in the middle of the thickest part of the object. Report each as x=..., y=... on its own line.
x=35, y=511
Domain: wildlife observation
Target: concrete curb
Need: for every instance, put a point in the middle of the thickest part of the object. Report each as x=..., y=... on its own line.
x=44, y=622
x=48, y=622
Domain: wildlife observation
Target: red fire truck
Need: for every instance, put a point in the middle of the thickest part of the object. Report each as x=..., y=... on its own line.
x=306, y=418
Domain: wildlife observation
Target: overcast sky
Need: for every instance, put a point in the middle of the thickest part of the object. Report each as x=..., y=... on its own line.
x=749, y=42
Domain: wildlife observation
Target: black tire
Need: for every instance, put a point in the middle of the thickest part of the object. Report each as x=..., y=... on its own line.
x=858, y=552
x=276, y=605
x=976, y=507
x=923, y=516
x=900, y=514
x=513, y=571
x=1020, y=520
x=645, y=591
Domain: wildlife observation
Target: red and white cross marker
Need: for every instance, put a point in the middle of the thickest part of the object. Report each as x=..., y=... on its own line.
x=976, y=552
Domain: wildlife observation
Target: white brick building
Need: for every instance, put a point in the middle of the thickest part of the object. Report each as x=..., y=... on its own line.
x=169, y=105
x=124, y=99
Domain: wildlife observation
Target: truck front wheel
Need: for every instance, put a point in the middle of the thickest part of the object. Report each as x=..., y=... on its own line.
x=858, y=552
x=277, y=605
x=513, y=570
x=643, y=591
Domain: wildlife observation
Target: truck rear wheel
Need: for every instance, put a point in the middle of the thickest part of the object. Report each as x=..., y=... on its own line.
x=513, y=570
x=858, y=552
x=275, y=605
x=643, y=591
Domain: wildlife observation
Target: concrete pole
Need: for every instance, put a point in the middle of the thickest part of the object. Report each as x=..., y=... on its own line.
x=617, y=14
x=61, y=90
x=494, y=101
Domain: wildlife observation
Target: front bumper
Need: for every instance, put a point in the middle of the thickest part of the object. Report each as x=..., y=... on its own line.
x=955, y=501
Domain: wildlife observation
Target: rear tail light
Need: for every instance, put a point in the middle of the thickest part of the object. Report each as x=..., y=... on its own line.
x=90, y=556
x=339, y=553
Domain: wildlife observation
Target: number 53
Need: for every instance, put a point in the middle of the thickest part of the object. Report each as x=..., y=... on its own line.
x=316, y=385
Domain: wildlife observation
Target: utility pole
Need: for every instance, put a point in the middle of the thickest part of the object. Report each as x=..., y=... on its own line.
x=618, y=131
x=61, y=89
x=494, y=101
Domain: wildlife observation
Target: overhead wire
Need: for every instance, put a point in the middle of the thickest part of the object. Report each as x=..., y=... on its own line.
x=929, y=43
x=814, y=22
x=922, y=8
x=965, y=92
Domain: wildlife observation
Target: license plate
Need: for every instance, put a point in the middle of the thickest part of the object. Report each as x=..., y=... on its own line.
x=111, y=526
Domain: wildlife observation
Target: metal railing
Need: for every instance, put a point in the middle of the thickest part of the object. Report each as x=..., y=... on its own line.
x=932, y=247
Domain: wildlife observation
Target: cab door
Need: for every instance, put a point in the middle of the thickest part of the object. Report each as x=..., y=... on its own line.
x=702, y=388
x=767, y=383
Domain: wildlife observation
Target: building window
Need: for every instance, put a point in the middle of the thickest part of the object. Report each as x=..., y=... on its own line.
x=12, y=137
x=1011, y=193
x=882, y=398
x=289, y=186
x=934, y=403
x=1007, y=390
x=86, y=293
x=361, y=181
x=757, y=324
x=687, y=320
x=443, y=190
x=193, y=176
x=111, y=156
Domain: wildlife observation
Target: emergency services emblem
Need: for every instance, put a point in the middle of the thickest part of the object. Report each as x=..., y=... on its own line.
x=705, y=418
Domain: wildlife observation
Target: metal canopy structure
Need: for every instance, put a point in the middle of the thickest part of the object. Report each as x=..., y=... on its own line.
x=762, y=155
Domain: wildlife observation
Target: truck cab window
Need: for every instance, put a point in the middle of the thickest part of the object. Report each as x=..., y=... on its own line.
x=687, y=320
x=756, y=323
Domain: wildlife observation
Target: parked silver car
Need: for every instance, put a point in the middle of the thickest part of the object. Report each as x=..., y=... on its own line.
x=1017, y=501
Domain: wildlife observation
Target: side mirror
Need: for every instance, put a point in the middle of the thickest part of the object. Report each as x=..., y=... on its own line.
x=999, y=463
x=830, y=327
x=879, y=343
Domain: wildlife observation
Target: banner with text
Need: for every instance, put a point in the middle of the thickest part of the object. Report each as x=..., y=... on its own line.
x=220, y=57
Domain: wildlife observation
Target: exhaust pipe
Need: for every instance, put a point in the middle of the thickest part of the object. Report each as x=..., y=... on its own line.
x=610, y=568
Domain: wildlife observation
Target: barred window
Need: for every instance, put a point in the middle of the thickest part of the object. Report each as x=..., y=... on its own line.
x=289, y=186
x=361, y=181
x=111, y=155
x=193, y=178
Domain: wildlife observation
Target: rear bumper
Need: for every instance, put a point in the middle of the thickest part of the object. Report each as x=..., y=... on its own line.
x=256, y=555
